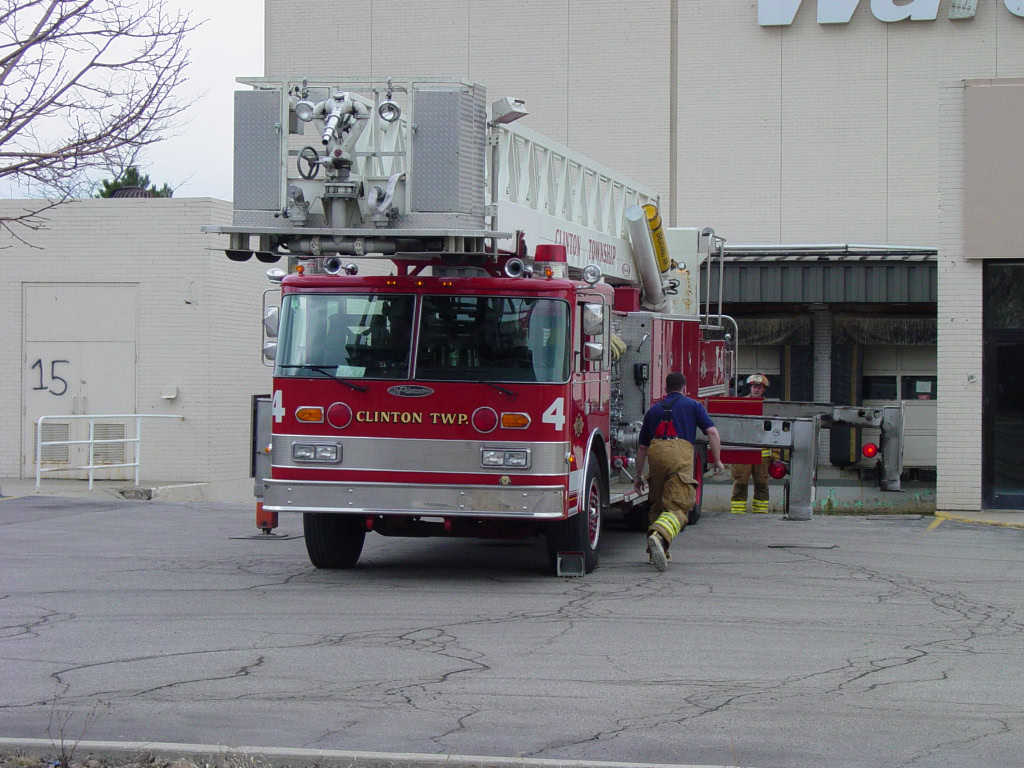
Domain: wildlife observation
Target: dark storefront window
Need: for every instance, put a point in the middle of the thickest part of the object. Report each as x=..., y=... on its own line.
x=907, y=387
x=1004, y=296
x=879, y=388
x=1003, y=400
x=919, y=387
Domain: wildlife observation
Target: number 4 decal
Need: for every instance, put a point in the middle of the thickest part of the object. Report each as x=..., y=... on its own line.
x=555, y=414
x=277, y=407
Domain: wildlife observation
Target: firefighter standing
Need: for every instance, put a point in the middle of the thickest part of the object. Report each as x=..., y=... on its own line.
x=666, y=438
x=741, y=472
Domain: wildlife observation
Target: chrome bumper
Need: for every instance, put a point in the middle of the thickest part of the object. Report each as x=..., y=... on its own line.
x=525, y=502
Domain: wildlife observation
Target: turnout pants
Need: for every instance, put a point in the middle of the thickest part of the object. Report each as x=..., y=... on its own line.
x=741, y=476
x=673, y=490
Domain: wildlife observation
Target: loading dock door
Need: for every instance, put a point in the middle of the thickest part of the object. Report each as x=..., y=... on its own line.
x=79, y=358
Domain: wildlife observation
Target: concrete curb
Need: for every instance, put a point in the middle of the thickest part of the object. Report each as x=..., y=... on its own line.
x=326, y=758
x=980, y=519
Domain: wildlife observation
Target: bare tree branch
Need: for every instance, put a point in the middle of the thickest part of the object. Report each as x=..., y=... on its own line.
x=85, y=85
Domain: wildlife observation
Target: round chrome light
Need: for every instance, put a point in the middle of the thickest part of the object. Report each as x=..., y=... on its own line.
x=304, y=110
x=591, y=274
x=389, y=111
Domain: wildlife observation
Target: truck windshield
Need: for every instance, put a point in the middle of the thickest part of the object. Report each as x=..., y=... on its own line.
x=353, y=336
x=493, y=338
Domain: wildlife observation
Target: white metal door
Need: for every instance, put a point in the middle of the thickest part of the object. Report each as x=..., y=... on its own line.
x=79, y=359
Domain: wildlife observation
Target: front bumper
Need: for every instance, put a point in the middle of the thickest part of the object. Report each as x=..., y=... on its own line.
x=522, y=502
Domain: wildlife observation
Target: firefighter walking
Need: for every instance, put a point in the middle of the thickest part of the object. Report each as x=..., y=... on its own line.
x=667, y=441
x=741, y=473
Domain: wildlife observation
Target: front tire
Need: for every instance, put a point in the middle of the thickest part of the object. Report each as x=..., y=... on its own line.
x=333, y=541
x=582, y=531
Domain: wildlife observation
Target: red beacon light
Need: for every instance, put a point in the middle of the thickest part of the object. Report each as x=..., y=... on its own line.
x=778, y=470
x=870, y=450
x=550, y=261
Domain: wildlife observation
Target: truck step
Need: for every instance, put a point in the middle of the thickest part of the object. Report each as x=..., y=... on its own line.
x=570, y=565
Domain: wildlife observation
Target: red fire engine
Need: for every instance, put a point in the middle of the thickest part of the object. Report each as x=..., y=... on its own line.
x=490, y=380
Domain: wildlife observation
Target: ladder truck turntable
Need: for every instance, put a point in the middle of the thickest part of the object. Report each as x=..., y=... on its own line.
x=493, y=384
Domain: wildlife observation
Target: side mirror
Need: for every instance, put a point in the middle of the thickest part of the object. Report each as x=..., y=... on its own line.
x=592, y=350
x=270, y=350
x=271, y=321
x=593, y=319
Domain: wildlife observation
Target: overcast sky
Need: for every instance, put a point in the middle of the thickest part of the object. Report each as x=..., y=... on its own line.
x=197, y=162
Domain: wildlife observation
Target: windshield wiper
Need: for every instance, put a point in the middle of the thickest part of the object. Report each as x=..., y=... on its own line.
x=501, y=389
x=329, y=373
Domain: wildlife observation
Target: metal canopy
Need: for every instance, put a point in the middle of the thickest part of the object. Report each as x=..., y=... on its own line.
x=828, y=273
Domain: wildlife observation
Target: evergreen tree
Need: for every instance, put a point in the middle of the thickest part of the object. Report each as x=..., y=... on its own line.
x=132, y=177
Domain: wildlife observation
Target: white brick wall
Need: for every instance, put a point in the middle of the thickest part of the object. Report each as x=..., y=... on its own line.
x=960, y=323
x=198, y=325
x=785, y=134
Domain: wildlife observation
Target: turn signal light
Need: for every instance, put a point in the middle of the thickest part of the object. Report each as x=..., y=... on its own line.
x=870, y=450
x=515, y=420
x=309, y=413
x=778, y=469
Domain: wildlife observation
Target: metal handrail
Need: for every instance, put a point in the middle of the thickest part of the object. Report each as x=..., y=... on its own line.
x=92, y=441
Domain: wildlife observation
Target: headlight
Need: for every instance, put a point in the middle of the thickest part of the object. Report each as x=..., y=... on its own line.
x=493, y=458
x=316, y=452
x=327, y=453
x=516, y=458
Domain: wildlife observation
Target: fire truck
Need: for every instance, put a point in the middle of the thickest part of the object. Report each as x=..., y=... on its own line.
x=489, y=379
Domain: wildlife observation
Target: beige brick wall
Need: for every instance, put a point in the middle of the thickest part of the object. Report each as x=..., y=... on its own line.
x=198, y=325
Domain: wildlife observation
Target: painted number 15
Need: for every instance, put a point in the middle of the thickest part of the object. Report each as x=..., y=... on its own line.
x=54, y=378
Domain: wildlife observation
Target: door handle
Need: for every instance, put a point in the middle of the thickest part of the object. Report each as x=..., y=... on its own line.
x=85, y=404
x=74, y=405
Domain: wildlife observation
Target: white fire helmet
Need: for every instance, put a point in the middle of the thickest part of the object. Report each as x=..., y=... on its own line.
x=758, y=378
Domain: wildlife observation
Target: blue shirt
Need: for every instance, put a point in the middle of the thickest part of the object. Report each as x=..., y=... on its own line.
x=687, y=415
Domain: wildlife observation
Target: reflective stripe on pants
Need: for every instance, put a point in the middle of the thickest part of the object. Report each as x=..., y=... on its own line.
x=741, y=474
x=673, y=490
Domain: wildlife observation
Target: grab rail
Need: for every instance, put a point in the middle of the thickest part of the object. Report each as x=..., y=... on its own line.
x=92, y=442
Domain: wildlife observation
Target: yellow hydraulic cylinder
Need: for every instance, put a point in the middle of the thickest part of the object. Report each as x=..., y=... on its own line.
x=658, y=237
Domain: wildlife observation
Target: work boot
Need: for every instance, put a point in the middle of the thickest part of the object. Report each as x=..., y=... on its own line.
x=668, y=556
x=656, y=546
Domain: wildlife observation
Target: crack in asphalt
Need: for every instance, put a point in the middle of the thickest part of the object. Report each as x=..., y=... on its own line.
x=965, y=622
x=973, y=619
x=28, y=629
x=1004, y=728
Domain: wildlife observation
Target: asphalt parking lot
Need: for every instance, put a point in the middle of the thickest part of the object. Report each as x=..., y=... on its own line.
x=843, y=641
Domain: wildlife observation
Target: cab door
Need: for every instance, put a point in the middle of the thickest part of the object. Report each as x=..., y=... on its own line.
x=592, y=375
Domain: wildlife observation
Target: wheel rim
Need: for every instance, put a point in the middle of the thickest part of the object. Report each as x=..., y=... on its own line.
x=594, y=513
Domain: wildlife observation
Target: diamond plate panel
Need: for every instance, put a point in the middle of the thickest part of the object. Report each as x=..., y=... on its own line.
x=257, y=173
x=631, y=328
x=448, y=151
